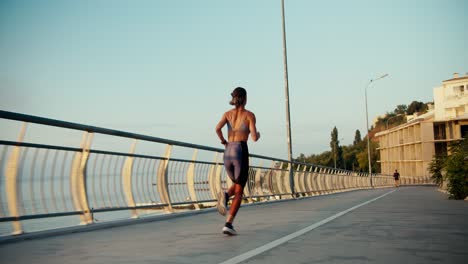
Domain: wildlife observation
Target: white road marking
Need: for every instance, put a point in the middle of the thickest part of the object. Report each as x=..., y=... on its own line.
x=275, y=243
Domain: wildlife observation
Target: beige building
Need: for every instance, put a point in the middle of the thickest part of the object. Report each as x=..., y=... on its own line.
x=410, y=147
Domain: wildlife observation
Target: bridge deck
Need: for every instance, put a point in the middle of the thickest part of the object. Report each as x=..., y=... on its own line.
x=409, y=225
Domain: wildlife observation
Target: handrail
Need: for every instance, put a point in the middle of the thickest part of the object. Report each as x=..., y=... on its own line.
x=40, y=181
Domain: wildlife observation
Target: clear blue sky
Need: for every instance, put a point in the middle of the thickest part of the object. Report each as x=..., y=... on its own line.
x=166, y=68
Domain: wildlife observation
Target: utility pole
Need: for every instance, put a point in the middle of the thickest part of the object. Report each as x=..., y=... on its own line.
x=288, y=115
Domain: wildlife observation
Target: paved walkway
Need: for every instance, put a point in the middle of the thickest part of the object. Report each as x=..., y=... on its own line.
x=404, y=225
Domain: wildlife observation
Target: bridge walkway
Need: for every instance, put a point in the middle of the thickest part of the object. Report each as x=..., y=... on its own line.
x=404, y=225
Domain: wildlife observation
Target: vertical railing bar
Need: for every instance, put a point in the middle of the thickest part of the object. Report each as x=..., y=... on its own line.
x=153, y=180
x=94, y=179
x=19, y=182
x=100, y=202
x=269, y=178
x=183, y=180
x=190, y=180
x=137, y=176
x=163, y=180
x=171, y=181
x=31, y=181
x=78, y=178
x=198, y=172
x=180, y=181
x=53, y=182
x=136, y=180
x=176, y=172
x=196, y=175
x=271, y=174
x=2, y=156
x=224, y=178
x=148, y=181
x=217, y=175
x=207, y=184
x=120, y=190
x=62, y=182
x=204, y=182
x=135, y=188
x=109, y=178
x=211, y=174
x=128, y=180
x=248, y=190
x=11, y=182
x=114, y=181
x=42, y=181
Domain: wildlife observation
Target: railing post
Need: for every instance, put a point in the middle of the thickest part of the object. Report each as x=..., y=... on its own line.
x=314, y=181
x=127, y=180
x=247, y=191
x=308, y=181
x=211, y=178
x=217, y=176
x=258, y=181
x=327, y=181
x=280, y=180
x=320, y=181
x=290, y=186
x=302, y=181
x=11, y=183
x=78, y=180
x=273, y=180
x=297, y=175
x=191, y=180
x=163, y=182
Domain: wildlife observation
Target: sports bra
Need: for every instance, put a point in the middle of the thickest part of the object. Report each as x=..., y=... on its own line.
x=242, y=128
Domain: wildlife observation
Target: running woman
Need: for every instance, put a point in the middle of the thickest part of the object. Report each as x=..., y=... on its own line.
x=241, y=124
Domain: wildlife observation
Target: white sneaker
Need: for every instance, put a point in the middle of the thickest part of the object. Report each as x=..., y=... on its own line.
x=221, y=204
x=228, y=229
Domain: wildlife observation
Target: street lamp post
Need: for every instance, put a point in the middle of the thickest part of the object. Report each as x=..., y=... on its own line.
x=367, y=124
x=286, y=89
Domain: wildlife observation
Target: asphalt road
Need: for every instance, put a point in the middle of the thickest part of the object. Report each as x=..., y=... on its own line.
x=404, y=225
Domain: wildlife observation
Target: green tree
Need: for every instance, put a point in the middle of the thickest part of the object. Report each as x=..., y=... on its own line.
x=416, y=107
x=436, y=167
x=357, y=137
x=363, y=160
x=336, y=151
x=400, y=109
x=456, y=167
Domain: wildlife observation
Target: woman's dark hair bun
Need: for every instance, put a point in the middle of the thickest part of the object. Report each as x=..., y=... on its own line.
x=238, y=96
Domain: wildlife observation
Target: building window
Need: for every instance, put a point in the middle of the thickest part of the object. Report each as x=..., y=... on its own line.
x=440, y=148
x=464, y=131
x=439, y=132
x=458, y=90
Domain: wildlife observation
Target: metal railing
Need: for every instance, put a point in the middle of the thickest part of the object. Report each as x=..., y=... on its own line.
x=51, y=181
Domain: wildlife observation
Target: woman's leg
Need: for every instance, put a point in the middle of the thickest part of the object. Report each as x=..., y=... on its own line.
x=231, y=190
x=237, y=190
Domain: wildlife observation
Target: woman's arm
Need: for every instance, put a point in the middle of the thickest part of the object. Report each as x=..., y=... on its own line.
x=253, y=128
x=219, y=132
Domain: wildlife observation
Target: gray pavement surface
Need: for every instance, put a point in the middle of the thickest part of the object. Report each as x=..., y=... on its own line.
x=410, y=225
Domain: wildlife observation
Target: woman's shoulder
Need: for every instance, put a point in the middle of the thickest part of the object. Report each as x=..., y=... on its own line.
x=250, y=113
x=229, y=112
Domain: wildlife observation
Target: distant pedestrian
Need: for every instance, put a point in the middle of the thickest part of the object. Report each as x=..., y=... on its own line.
x=396, y=176
x=240, y=123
